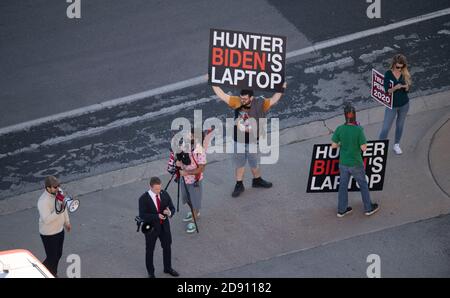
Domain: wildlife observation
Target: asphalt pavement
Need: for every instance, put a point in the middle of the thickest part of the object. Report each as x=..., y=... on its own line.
x=279, y=232
x=131, y=134
x=52, y=65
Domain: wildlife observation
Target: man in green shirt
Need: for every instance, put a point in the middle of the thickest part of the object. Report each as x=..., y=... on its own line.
x=351, y=140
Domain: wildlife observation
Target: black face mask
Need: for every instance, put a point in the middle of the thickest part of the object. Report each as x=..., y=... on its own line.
x=350, y=114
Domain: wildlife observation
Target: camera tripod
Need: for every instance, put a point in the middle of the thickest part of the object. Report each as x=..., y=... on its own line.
x=188, y=195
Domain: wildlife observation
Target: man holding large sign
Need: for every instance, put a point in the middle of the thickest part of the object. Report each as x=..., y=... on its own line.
x=248, y=110
x=246, y=60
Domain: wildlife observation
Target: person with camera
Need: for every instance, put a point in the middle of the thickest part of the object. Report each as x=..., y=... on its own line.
x=192, y=165
x=247, y=107
x=155, y=209
x=51, y=224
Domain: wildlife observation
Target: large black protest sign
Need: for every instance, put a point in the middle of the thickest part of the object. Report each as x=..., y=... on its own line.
x=324, y=171
x=246, y=60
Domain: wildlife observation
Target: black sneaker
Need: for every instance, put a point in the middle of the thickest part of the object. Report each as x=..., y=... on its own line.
x=238, y=189
x=375, y=208
x=260, y=182
x=348, y=211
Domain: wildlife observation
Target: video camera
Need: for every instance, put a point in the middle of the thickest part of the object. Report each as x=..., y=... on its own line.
x=184, y=158
x=183, y=151
x=174, y=157
x=143, y=226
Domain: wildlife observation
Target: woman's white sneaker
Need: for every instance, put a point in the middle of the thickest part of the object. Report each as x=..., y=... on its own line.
x=191, y=228
x=397, y=149
x=189, y=217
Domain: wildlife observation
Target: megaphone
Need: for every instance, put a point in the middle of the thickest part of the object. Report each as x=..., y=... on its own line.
x=62, y=201
x=72, y=204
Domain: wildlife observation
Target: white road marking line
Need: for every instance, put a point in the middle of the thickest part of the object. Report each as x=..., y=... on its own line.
x=362, y=34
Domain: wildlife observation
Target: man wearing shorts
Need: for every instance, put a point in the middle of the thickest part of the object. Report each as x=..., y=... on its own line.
x=246, y=107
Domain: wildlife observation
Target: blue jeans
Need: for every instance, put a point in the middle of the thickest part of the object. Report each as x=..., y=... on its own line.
x=389, y=116
x=360, y=176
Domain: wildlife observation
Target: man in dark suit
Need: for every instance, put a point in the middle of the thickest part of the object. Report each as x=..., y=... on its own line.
x=155, y=208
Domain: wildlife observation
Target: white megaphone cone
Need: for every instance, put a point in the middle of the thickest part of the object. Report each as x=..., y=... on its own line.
x=67, y=201
x=72, y=204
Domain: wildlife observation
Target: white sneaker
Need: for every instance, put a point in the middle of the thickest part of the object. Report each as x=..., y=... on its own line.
x=397, y=149
x=191, y=228
x=189, y=217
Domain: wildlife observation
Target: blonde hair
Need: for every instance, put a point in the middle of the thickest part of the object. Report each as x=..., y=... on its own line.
x=401, y=59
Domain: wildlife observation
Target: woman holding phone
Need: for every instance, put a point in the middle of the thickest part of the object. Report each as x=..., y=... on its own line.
x=399, y=75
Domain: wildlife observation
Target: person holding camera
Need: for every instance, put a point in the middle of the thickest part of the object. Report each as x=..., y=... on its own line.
x=52, y=224
x=246, y=107
x=155, y=209
x=192, y=166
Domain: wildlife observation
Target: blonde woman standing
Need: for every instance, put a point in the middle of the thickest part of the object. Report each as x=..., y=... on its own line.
x=399, y=75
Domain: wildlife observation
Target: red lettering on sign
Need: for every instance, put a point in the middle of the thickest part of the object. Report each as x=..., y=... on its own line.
x=238, y=59
x=319, y=167
x=217, y=56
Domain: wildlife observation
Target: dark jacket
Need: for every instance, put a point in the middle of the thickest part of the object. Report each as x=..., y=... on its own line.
x=148, y=212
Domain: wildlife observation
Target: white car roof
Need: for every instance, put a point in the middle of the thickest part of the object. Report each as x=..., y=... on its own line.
x=20, y=263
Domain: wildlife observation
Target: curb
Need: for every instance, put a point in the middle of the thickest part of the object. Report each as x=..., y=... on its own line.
x=158, y=167
x=430, y=137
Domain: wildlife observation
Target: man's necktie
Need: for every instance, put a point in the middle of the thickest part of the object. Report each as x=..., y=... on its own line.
x=158, y=205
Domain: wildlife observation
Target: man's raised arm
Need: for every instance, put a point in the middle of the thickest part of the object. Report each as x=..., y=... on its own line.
x=222, y=95
x=276, y=97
